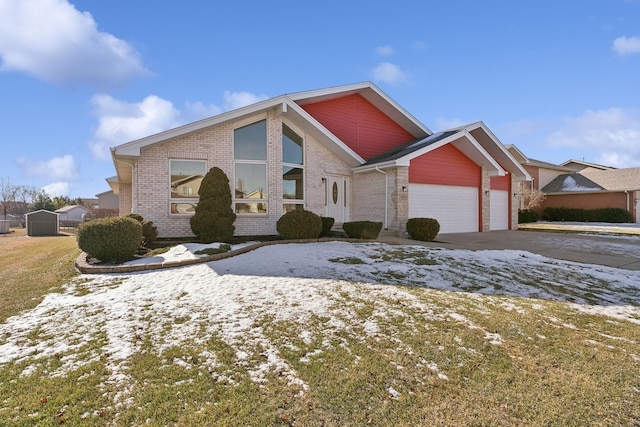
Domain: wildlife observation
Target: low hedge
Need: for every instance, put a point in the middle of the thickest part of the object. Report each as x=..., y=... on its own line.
x=362, y=229
x=299, y=224
x=113, y=239
x=526, y=215
x=614, y=215
x=423, y=229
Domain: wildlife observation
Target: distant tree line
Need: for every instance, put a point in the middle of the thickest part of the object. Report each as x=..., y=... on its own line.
x=18, y=200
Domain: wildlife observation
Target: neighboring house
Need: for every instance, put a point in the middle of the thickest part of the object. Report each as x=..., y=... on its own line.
x=108, y=200
x=583, y=185
x=72, y=213
x=347, y=152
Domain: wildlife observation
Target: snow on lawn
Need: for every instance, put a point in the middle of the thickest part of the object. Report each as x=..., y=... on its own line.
x=231, y=298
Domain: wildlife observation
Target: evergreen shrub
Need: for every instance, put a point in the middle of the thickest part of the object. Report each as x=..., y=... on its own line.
x=327, y=223
x=299, y=224
x=149, y=230
x=424, y=229
x=362, y=229
x=214, y=217
x=527, y=215
x=613, y=215
x=114, y=239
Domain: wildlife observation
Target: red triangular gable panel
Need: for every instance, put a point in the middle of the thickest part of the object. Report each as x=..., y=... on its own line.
x=445, y=166
x=359, y=124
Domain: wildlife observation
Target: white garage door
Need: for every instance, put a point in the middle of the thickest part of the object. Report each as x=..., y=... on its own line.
x=499, y=219
x=455, y=208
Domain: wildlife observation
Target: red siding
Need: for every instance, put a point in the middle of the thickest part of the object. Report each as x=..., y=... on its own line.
x=359, y=124
x=445, y=166
x=501, y=183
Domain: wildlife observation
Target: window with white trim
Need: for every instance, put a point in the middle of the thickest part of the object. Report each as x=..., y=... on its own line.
x=185, y=179
x=292, y=170
x=250, y=168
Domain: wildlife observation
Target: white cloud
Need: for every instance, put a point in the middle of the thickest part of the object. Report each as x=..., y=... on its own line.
x=53, y=41
x=57, y=189
x=56, y=168
x=385, y=50
x=389, y=73
x=612, y=135
x=626, y=45
x=120, y=122
x=233, y=100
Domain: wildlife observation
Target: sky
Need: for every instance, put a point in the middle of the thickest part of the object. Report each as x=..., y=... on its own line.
x=560, y=80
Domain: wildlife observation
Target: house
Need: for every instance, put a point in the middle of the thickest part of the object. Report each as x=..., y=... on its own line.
x=72, y=213
x=348, y=152
x=583, y=185
x=108, y=200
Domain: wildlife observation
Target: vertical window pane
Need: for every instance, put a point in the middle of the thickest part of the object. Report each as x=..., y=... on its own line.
x=291, y=146
x=250, y=142
x=251, y=181
x=292, y=180
x=186, y=177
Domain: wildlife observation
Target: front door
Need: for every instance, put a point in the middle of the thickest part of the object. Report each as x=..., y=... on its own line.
x=337, y=202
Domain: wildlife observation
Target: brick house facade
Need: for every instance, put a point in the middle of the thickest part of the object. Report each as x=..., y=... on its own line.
x=359, y=152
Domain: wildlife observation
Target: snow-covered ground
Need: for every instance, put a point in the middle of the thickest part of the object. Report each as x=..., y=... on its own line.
x=291, y=282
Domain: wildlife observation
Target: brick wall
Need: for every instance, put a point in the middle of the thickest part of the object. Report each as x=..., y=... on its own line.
x=150, y=195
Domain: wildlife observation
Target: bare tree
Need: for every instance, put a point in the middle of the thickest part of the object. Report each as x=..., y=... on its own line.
x=530, y=198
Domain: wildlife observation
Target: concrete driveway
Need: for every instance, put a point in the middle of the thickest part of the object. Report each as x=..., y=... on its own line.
x=621, y=251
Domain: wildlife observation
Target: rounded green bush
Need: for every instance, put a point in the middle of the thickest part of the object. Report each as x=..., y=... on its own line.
x=526, y=216
x=299, y=224
x=113, y=239
x=327, y=223
x=423, y=229
x=362, y=229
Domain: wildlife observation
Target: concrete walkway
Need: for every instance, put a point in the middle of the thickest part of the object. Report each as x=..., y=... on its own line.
x=621, y=251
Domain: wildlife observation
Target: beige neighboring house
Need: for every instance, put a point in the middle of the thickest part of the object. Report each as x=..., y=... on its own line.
x=108, y=200
x=583, y=185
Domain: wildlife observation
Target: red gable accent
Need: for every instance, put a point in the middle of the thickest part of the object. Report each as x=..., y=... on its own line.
x=359, y=124
x=501, y=183
x=445, y=166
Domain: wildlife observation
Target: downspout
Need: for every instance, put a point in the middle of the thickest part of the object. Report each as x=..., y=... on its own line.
x=628, y=205
x=386, y=197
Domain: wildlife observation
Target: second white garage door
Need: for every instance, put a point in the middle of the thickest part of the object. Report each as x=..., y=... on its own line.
x=499, y=210
x=455, y=208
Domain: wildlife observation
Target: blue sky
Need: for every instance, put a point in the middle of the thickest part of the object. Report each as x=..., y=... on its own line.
x=559, y=79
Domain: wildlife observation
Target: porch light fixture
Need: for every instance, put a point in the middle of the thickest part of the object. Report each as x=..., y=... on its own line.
x=486, y=192
x=324, y=180
x=404, y=189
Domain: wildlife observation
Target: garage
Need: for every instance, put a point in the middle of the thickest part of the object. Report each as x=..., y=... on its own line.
x=499, y=208
x=455, y=207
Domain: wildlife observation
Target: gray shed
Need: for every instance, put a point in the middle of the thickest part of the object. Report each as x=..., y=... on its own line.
x=42, y=223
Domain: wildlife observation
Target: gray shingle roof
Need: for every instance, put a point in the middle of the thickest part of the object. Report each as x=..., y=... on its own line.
x=409, y=147
x=571, y=182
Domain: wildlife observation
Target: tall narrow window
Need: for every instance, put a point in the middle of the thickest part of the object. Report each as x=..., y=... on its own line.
x=185, y=177
x=250, y=169
x=292, y=170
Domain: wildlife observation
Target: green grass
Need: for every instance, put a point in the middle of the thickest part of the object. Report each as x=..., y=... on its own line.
x=418, y=357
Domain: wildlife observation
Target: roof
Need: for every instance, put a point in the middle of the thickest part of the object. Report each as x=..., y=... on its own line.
x=581, y=164
x=571, y=183
x=627, y=179
x=289, y=106
x=475, y=140
x=524, y=160
x=70, y=208
x=409, y=147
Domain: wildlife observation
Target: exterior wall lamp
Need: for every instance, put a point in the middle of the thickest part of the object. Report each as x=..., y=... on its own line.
x=405, y=189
